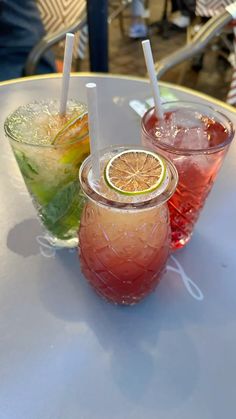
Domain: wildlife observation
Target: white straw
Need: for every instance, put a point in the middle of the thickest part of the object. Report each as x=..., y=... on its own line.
x=66, y=71
x=93, y=129
x=152, y=76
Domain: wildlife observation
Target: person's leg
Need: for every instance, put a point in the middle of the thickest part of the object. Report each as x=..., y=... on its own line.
x=189, y=6
x=182, y=12
x=174, y=6
x=20, y=29
x=138, y=28
x=137, y=8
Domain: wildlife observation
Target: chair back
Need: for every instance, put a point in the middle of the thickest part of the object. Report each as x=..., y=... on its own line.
x=209, y=8
x=59, y=14
x=213, y=27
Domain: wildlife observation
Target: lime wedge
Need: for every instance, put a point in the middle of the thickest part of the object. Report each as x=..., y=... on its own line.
x=74, y=129
x=134, y=172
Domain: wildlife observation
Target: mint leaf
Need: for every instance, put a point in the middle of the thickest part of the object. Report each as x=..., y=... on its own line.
x=62, y=213
x=60, y=204
x=27, y=167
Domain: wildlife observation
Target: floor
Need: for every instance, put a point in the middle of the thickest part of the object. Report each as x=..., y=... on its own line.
x=126, y=57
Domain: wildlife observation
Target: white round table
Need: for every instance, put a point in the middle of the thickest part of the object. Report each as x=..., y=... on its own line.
x=67, y=354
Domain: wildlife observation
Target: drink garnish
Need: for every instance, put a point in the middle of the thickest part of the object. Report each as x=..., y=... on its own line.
x=74, y=128
x=134, y=172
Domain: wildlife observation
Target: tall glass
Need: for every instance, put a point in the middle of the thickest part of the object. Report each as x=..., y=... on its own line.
x=49, y=157
x=196, y=138
x=124, y=241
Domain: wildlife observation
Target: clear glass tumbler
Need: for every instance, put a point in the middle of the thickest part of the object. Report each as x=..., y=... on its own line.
x=124, y=240
x=49, y=149
x=196, y=138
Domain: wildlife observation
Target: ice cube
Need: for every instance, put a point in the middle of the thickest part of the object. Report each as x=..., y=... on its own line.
x=166, y=131
x=192, y=138
x=187, y=118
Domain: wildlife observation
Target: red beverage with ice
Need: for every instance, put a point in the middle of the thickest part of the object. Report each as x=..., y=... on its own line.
x=196, y=138
x=125, y=238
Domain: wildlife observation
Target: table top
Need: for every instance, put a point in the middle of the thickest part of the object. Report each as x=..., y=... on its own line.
x=67, y=354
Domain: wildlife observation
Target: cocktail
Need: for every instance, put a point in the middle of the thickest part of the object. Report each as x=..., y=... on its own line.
x=49, y=148
x=196, y=138
x=124, y=232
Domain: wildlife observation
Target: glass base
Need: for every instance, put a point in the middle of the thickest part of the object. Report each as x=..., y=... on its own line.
x=179, y=244
x=60, y=243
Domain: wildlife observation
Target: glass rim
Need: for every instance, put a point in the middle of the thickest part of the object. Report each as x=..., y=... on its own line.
x=11, y=136
x=149, y=203
x=191, y=151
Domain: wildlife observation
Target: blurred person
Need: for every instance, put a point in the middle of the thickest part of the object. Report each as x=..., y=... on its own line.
x=182, y=12
x=20, y=29
x=138, y=28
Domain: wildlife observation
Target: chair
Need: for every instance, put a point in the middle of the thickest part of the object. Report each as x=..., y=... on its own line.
x=60, y=17
x=209, y=8
x=117, y=8
x=198, y=43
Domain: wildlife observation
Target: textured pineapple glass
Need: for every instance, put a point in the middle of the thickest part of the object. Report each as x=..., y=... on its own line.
x=124, y=241
x=196, y=138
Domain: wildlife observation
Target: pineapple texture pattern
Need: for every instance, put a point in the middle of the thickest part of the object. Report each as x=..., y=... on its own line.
x=123, y=253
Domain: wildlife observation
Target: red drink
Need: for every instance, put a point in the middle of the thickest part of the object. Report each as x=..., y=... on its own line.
x=196, y=138
x=124, y=240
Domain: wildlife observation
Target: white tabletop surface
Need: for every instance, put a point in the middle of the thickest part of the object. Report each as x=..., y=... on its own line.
x=67, y=354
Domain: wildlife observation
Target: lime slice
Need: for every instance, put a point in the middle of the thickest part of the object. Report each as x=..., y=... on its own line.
x=76, y=152
x=75, y=128
x=134, y=172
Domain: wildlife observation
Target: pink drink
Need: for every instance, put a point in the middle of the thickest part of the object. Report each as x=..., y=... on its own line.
x=124, y=240
x=196, y=138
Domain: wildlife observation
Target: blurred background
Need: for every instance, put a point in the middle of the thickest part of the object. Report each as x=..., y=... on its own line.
x=32, y=33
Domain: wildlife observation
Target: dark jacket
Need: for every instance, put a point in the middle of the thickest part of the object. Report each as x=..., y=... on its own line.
x=20, y=29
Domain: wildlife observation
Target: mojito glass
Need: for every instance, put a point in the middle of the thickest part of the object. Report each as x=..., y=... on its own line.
x=49, y=149
x=124, y=240
x=196, y=138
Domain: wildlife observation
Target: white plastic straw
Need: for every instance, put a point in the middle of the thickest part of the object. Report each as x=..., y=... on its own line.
x=66, y=71
x=93, y=129
x=152, y=76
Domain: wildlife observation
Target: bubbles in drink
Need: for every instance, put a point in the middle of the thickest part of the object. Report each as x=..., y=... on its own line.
x=39, y=122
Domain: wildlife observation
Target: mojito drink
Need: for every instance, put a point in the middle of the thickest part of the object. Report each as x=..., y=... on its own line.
x=196, y=138
x=125, y=236
x=49, y=149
